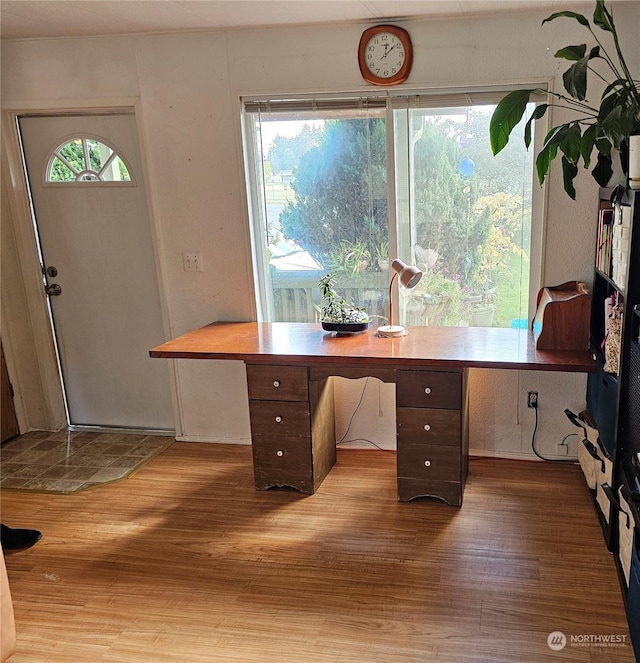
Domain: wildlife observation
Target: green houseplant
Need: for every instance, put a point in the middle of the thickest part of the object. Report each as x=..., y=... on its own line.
x=336, y=314
x=605, y=128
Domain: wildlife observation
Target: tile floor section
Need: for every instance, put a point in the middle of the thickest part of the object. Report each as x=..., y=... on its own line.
x=68, y=461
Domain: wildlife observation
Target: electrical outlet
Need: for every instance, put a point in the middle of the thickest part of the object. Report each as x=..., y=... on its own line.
x=532, y=399
x=192, y=261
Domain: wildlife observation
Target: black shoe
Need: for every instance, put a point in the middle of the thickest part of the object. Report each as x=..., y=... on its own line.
x=16, y=539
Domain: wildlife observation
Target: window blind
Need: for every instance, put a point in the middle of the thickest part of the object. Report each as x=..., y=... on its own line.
x=450, y=98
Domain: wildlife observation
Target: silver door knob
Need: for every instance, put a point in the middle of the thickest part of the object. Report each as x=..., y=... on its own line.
x=53, y=290
x=278, y=420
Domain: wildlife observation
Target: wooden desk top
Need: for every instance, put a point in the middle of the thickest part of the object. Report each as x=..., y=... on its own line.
x=307, y=343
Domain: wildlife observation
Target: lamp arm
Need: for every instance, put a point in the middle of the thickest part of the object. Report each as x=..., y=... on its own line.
x=390, y=300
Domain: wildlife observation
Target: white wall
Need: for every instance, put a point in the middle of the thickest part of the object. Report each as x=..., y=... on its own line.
x=186, y=89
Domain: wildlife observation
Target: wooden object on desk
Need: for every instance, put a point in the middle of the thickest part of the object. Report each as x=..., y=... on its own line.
x=562, y=317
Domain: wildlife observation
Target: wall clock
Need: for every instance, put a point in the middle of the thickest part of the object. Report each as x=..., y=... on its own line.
x=385, y=55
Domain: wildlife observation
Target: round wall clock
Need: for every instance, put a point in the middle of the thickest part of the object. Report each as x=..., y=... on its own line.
x=385, y=55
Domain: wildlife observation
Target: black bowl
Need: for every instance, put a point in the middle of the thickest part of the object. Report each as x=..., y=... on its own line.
x=345, y=327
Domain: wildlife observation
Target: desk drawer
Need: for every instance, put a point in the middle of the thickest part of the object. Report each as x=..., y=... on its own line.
x=421, y=461
x=279, y=419
x=284, y=461
x=428, y=426
x=277, y=383
x=437, y=389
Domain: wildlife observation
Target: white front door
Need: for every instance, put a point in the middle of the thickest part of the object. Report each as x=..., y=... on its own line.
x=96, y=242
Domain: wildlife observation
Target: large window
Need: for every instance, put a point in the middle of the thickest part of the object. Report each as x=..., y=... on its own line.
x=343, y=185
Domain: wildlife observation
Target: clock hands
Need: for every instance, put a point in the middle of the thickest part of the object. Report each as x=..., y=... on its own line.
x=387, y=50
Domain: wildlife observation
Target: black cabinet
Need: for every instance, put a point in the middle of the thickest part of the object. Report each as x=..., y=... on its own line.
x=613, y=391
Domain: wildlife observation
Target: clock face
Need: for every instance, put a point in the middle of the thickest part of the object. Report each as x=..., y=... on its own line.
x=385, y=55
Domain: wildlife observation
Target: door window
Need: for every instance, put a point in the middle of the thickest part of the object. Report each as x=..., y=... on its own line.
x=84, y=159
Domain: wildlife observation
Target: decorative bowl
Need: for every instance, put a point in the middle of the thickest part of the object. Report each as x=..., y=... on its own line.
x=345, y=327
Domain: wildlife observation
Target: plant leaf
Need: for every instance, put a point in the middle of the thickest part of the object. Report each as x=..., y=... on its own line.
x=575, y=79
x=538, y=112
x=569, y=172
x=603, y=146
x=603, y=171
x=613, y=126
x=588, y=143
x=506, y=116
x=571, y=143
x=619, y=86
x=630, y=120
x=543, y=161
x=602, y=18
x=548, y=152
x=568, y=14
x=572, y=52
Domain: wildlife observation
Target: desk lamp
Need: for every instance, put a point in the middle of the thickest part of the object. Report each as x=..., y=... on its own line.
x=409, y=277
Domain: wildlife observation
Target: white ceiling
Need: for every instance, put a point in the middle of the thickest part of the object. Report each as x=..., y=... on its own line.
x=24, y=19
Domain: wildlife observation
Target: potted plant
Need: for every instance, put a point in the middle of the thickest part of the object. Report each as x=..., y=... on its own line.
x=382, y=256
x=606, y=128
x=351, y=257
x=336, y=314
x=436, y=300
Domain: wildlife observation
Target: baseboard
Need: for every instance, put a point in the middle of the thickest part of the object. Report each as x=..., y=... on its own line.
x=116, y=429
x=483, y=453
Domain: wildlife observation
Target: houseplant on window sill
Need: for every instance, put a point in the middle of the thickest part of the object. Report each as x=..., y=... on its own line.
x=337, y=315
x=607, y=128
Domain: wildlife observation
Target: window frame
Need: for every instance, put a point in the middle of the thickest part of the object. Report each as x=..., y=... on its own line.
x=445, y=98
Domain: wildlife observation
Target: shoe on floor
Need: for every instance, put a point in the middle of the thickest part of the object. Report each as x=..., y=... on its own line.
x=16, y=539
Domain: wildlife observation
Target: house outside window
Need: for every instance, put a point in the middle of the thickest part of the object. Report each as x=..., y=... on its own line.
x=345, y=185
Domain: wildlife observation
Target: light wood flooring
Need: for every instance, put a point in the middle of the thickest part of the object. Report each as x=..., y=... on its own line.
x=185, y=562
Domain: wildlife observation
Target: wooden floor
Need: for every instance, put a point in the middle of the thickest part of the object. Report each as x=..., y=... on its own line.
x=185, y=562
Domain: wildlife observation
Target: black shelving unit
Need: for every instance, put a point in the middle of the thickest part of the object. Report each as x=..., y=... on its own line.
x=613, y=397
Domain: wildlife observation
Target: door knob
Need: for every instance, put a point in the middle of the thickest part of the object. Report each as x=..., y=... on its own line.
x=53, y=290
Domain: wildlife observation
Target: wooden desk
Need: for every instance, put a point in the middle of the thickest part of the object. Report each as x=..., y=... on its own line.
x=290, y=370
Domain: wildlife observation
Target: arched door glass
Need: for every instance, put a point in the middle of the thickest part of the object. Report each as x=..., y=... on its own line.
x=85, y=159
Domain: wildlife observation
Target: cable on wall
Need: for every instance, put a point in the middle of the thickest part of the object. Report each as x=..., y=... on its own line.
x=539, y=455
x=353, y=414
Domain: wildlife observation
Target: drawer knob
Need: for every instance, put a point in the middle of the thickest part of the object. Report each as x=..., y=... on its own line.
x=280, y=453
x=278, y=420
x=427, y=390
x=427, y=463
x=276, y=383
x=427, y=427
